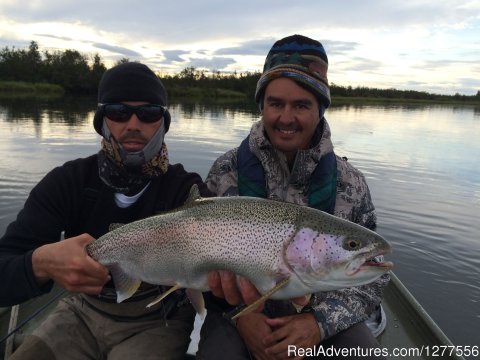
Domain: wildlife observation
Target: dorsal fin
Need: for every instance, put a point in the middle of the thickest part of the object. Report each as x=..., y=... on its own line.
x=114, y=226
x=193, y=195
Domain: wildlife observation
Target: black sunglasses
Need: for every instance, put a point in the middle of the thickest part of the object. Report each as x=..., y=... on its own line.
x=147, y=113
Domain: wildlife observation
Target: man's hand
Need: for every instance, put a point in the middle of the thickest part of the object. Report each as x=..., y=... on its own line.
x=67, y=263
x=224, y=284
x=300, y=330
x=253, y=328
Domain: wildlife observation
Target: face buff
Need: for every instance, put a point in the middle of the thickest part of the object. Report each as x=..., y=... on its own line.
x=129, y=172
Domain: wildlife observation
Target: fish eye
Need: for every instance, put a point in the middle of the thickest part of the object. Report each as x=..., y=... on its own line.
x=351, y=244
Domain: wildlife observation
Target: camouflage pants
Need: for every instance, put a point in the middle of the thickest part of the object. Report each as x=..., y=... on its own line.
x=220, y=340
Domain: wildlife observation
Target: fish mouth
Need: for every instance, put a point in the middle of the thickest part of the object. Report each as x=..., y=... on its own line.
x=369, y=264
x=387, y=265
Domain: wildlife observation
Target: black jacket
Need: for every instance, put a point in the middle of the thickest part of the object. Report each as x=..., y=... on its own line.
x=72, y=199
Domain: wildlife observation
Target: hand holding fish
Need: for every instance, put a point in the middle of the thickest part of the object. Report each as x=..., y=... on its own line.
x=68, y=264
x=224, y=284
x=238, y=290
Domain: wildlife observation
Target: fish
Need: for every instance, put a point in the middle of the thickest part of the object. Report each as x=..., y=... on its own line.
x=286, y=250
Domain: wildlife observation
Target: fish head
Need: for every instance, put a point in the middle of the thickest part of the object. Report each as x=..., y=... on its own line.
x=328, y=260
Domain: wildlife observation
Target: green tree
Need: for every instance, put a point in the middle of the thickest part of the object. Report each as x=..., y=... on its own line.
x=122, y=61
x=33, y=63
x=68, y=69
x=96, y=71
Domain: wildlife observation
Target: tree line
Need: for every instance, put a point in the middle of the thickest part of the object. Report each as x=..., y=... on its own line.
x=78, y=74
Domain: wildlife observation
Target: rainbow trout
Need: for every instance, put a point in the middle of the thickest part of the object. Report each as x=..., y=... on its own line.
x=285, y=250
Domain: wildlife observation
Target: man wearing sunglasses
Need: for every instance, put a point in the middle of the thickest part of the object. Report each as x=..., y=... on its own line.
x=128, y=179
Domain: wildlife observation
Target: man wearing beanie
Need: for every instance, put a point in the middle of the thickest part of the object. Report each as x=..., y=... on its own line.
x=288, y=156
x=130, y=178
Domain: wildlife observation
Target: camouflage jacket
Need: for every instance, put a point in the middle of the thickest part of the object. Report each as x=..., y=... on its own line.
x=334, y=310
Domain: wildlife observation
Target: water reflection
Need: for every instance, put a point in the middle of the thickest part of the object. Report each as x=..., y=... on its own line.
x=345, y=104
x=196, y=109
x=68, y=110
x=421, y=163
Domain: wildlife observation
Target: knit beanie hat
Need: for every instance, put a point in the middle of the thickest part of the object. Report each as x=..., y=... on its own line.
x=130, y=81
x=302, y=59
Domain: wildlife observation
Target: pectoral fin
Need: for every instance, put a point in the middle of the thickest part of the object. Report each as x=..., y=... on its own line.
x=193, y=195
x=196, y=298
x=164, y=295
x=124, y=285
x=298, y=307
x=114, y=226
x=261, y=300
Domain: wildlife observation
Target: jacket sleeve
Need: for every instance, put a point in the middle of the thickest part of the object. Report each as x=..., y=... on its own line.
x=222, y=177
x=41, y=221
x=338, y=310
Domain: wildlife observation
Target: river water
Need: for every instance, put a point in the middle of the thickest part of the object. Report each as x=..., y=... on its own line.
x=422, y=164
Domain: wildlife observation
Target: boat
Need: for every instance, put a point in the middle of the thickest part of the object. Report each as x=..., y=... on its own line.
x=410, y=331
x=410, y=328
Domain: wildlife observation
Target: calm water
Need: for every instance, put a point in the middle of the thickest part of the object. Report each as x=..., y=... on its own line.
x=422, y=165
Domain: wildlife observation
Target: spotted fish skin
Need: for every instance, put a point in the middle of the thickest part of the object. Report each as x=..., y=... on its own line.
x=263, y=240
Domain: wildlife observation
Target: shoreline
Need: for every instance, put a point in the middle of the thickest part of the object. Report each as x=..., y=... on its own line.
x=20, y=89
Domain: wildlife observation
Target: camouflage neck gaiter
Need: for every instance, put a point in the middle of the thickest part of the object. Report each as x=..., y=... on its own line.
x=129, y=179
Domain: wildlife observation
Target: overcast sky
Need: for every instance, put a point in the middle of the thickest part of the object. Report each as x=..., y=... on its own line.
x=425, y=45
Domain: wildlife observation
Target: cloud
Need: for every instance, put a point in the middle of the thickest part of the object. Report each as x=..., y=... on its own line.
x=65, y=38
x=359, y=64
x=469, y=83
x=339, y=47
x=174, y=55
x=253, y=47
x=117, y=50
x=215, y=63
x=386, y=42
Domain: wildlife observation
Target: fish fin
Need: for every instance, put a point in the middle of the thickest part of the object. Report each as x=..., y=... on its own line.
x=193, y=195
x=262, y=299
x=164, y=295
x=196, y=298
x=298, y=307
x=114, y=226
x=125, y=286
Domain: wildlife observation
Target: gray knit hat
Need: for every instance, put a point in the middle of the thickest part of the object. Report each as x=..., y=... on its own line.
x=302, y=59
x=130, y=81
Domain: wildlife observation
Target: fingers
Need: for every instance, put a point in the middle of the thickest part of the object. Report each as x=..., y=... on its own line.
x=89, y=270
x=95, y=270
x=252, y=328
x=236, y=290
x=83, y=239
x=248, y=291
x=300, y=330
x=230, y=288
x=67, y=263
x=223, y=284
x=280, y=331
x=277, y=322
x=81, y=284
x=215, y=284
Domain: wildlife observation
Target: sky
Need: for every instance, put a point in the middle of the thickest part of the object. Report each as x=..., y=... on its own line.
x=423, y=45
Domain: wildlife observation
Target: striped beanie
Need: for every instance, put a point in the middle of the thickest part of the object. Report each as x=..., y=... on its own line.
x=302, y=59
